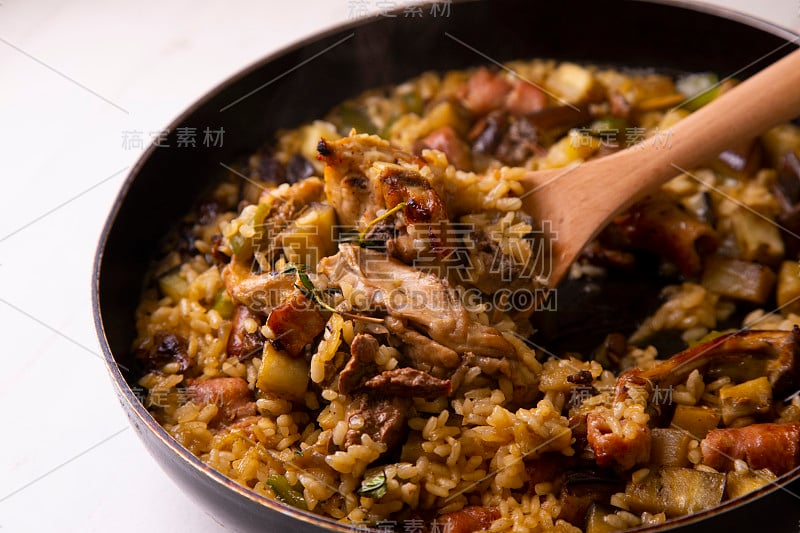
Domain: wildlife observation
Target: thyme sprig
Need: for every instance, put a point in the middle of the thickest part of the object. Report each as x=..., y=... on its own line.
x=389, y=212
x=306, y=286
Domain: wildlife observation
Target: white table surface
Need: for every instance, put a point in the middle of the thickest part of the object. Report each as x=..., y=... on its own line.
x=76, y=77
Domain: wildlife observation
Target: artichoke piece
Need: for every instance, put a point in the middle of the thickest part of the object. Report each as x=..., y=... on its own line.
x=750, y=398
x=669, y=447
x=742, y=280
x=595, y=519
x=745, y=482
x=675, y=491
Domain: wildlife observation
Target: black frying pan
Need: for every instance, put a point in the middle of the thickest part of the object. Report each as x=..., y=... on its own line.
x=277, y=93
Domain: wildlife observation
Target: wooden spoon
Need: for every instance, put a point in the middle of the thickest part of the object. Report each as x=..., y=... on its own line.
x=575, y=203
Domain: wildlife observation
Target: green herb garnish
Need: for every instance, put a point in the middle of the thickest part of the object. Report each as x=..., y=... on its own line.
x=362, y=236
x=374, y=484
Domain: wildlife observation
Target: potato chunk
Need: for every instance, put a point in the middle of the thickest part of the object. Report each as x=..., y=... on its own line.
x=571, y=82
x=697, y=421
x=310, y=237
x=282, y=375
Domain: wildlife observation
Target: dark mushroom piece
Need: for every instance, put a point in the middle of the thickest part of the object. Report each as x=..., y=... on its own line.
x=582, y=489
x=241, y=343
x=166, y=348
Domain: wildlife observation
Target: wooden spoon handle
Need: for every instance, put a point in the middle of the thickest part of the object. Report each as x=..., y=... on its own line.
x=768, y=98
x=590, y=195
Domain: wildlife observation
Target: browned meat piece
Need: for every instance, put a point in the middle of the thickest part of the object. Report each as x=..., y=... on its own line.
x=512, y=139
x=167, y=348
x=425, y=353
x=296, y=323
x=469, y=519
x=234, y=398
x=382, y=419
x=620, y=107
x=423, y=204
x=743, y=356
x=775, y=447
x=422, y=299
x=525, y=98
x=361, y=364
x=242, y=344
x=577, y=424
x=408, y=382
x=485, y=91
x=353, y=169
x=787, y=191
x=661, y=227
x=491, y=366
x=629, y=447
x=259, y=292
x=246, y=425
x=556, y=119
x=520, y=142
x=597, y=253
x=549, y=468
x=741, y=161
x=393, y=238
x=446, y=140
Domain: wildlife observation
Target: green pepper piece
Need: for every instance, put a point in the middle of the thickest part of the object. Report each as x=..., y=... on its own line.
x=708, y=337
x=285, y=492
x=610, y=125
x=355, y=117
x=413, y=102
x=699, y=89
x=374, y=484
x=223, y=304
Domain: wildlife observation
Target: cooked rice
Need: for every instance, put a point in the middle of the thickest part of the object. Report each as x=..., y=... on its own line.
x=469, y=449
